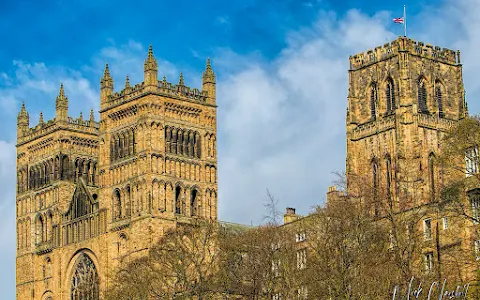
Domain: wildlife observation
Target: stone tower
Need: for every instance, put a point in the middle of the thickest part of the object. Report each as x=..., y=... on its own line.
x=92, y=194
x=402, y=98
x=57, y=190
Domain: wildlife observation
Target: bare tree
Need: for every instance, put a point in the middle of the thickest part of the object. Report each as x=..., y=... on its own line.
x=182, y=265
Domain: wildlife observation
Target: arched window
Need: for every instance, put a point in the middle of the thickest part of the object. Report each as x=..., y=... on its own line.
x=47, y=268
x=375, y=186
x=133, y=141
x=422, y=96
x=122, y=244
x=197, y=147
x=373, y=100
x=128, y=196
x=168, y=137
x=180, y=142
x=178, y=204
x=65, y=167
x=190, y=143
x=193, y=203
x=389, y=177
x=438, y=97
x=85, y=281
x=431, y=175
x=112, y=149
x=390, y=95
x=117, y=202
x=174, y=141
x=39, y=228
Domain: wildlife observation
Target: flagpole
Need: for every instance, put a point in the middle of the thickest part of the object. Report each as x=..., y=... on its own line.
x=405, y=20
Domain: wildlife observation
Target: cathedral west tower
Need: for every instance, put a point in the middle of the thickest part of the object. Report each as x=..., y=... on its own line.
x=402, y=99
x=91, y=194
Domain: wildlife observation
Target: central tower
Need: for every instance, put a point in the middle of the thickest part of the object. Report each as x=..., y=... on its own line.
x=158, y=160
x=402, y=99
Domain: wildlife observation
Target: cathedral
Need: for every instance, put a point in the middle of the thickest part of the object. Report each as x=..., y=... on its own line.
x=90, y=193
x=402, y=100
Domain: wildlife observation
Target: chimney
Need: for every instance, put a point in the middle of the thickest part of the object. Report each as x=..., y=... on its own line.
x=290, y=216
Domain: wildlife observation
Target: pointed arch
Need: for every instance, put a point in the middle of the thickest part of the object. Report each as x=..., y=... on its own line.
x=178, y=199
x=117, y=204
x=194, y=202
x=48, y=225
x=39, y=229
x=373, y=100
x=439, y=94
x=180, y=141
x=375, y=185
x=85, y=280
x=174, y=141
x=128, y=200
x=422, y=95
x=390, y=95
x=431, y=174
x=388, y=167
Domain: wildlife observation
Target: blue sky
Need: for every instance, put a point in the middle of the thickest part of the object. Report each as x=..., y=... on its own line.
x=281, y=80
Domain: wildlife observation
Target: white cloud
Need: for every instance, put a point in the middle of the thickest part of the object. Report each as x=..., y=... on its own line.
x=7, y=213
x=282, y=122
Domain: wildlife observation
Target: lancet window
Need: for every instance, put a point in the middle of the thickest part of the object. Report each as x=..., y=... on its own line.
x=373, y=100
x=439, y=98
x=389, y=177
x=422, y=96
x=375, y=180
x=194, y=203
x=178, y=200
x=431, y=175
x=390, y=95
x=85, y=280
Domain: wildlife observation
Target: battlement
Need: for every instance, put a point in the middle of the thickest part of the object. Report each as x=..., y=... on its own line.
x=44, y=128
x=403, y=44
x=163, y=87
x=151, y=84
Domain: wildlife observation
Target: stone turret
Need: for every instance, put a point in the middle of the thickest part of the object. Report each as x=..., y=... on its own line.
x=23, y=121
x=61, y=106
x=92, y=119
x=106, y=87
x=150, y=71
x=128, y=87
x=208, y=82
x=181, y=82
x=41, y=122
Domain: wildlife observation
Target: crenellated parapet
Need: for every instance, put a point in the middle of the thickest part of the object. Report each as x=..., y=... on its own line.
x=403, y=44
x=151, y=85
x=163, y=88
x=25, y=133
x=44, y=128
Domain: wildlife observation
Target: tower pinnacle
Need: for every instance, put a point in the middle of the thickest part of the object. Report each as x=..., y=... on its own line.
x=208, y=81
x=150, y=69
x=61, y=105
x=22, y=121
x=40, y=119
x=106, y=86
x=181, y=81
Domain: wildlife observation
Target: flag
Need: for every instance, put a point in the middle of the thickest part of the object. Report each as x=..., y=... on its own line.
x=398, y=20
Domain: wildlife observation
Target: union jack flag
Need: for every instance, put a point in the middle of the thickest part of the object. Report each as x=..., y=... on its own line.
x=398, y=20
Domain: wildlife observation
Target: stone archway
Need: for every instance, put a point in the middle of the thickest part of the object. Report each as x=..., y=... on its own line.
x=84, y=283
